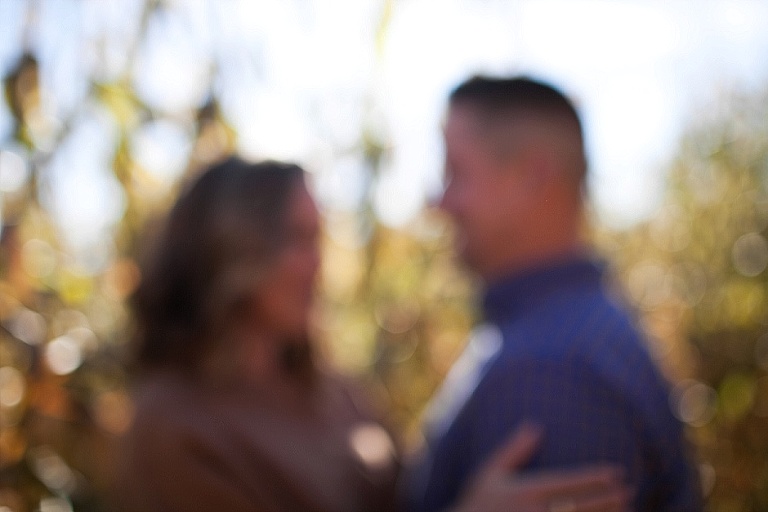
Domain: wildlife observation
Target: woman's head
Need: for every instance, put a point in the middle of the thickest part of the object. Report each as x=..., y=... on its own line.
x=238, y=250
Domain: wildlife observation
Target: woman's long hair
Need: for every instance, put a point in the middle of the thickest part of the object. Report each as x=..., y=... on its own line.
x=214, y=247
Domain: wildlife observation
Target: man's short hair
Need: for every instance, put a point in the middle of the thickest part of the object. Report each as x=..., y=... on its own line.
x=498, y=95
x=502, y=99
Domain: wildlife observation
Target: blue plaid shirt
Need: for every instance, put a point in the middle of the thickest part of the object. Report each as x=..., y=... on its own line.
x=570, y=359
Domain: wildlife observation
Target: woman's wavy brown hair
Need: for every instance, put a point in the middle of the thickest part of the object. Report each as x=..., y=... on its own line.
x=216, y=243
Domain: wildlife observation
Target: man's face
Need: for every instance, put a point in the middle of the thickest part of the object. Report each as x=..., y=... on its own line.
x=484, y=193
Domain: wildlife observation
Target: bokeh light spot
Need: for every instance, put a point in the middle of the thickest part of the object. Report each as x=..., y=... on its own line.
x=12, y=386
x=694, y=402
x=750, y=254
x=28, y=326
x=63, y=355
x=399, y=317
x=373, y=445
x=708, y=477
x=55, y=504
x=51, y=469
x=13, y=171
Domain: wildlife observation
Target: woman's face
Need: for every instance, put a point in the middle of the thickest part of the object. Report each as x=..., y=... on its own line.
x=284, y=298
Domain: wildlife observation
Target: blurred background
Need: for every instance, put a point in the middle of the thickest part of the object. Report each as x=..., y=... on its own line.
x=109, y=105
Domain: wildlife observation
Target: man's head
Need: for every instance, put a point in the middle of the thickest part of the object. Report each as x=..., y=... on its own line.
x=514, y=169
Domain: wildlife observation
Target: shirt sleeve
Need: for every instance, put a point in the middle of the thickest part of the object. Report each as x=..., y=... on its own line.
x=585, y=421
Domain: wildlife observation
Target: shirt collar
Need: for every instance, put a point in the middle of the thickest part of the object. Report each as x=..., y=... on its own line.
x=506, y=296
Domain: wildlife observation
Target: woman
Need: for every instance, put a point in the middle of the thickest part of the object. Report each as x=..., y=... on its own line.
x=233, y=413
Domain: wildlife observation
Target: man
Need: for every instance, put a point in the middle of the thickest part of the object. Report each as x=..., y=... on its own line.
x=560, y=351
